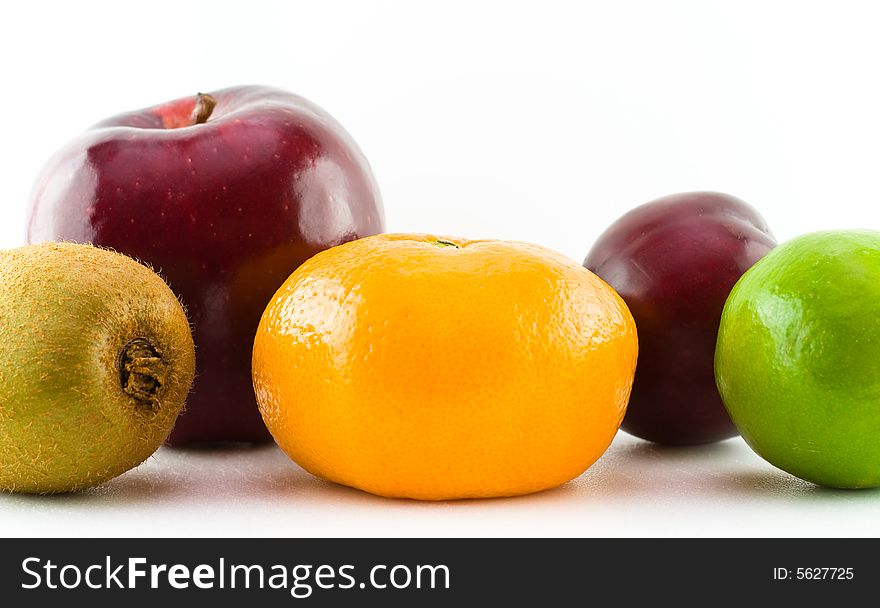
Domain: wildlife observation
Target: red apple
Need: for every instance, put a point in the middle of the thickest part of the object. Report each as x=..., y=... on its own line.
x=224, y=194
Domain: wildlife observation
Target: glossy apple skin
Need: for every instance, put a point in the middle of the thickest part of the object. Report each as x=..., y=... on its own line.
x=224, y=210
x=674, y=262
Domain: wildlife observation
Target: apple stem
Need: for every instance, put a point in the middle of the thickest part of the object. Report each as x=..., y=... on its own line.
x=204, y=106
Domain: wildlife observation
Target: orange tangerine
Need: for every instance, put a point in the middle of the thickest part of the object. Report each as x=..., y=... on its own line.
x=434, y=368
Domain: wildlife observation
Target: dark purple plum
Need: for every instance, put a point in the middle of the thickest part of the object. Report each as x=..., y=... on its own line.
x=674, y=262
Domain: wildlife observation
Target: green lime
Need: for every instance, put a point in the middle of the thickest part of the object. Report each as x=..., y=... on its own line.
x=798, y=357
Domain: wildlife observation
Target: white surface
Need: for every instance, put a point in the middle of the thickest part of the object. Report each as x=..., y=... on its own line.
x=539, y=121
x=636, y=489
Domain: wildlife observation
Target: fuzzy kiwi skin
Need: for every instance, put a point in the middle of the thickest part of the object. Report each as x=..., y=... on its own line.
x=67, y=313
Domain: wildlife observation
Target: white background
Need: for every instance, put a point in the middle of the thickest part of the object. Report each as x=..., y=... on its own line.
x=538, y=121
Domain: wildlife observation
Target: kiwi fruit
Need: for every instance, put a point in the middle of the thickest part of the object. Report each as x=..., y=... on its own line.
x=96, y=360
